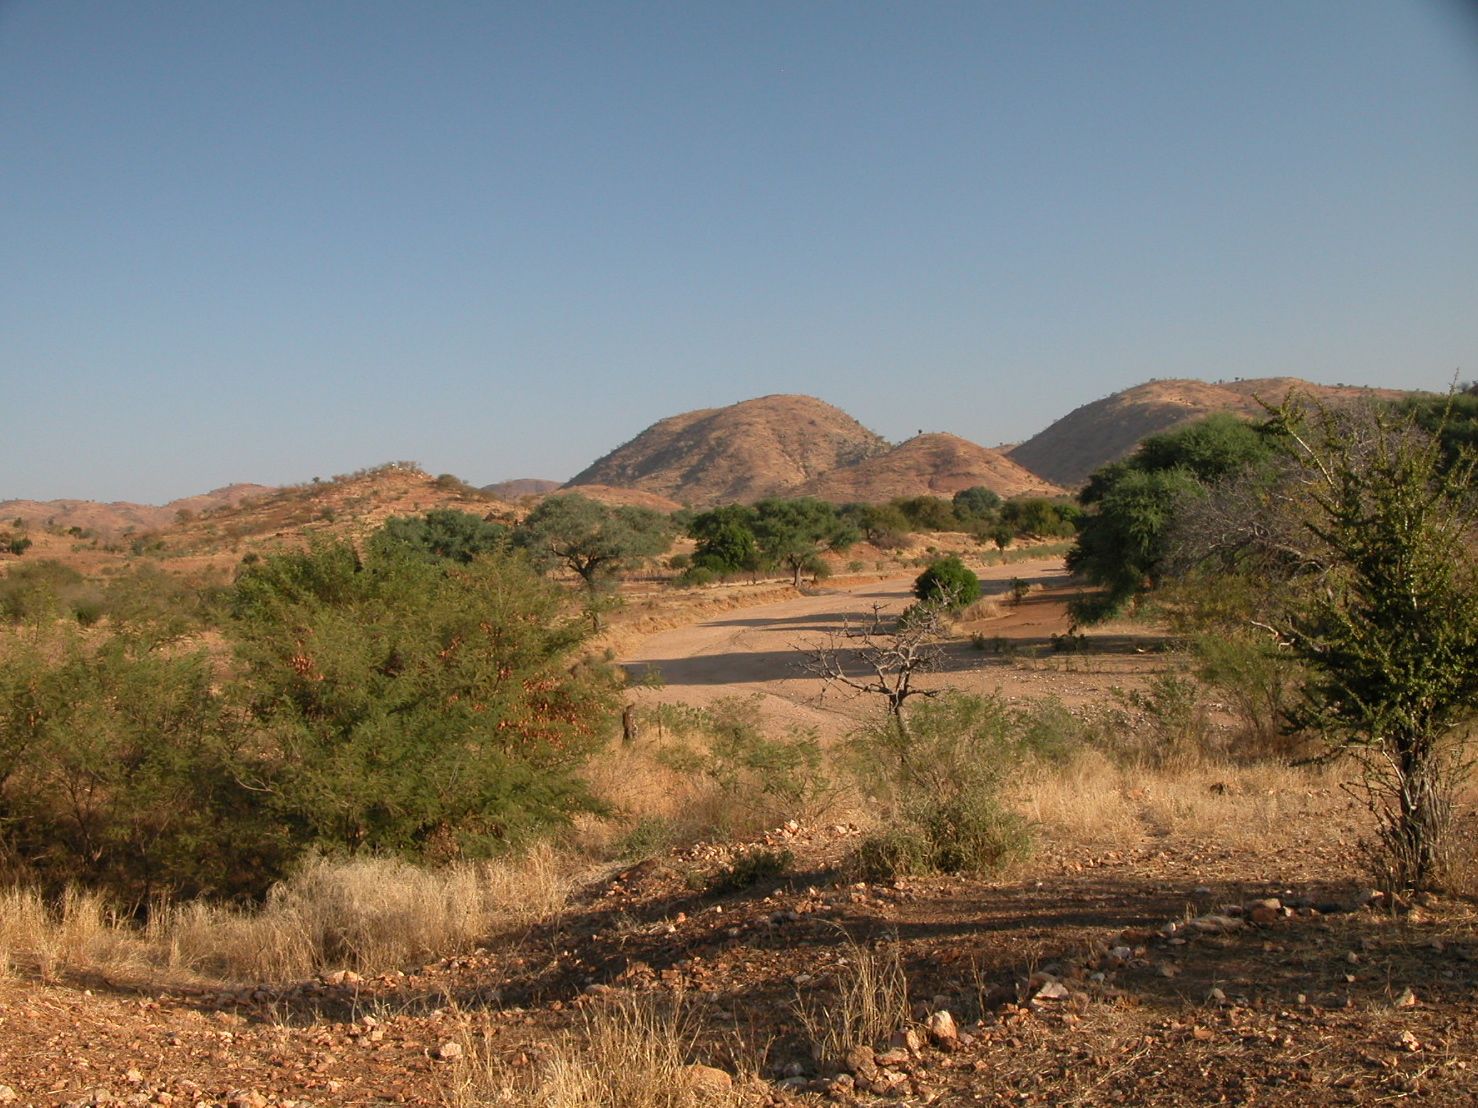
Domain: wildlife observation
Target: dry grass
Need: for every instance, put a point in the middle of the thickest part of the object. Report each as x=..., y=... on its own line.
x=628, y=1053
x=1092, y=801
x=369, y=915
x=871, y=1003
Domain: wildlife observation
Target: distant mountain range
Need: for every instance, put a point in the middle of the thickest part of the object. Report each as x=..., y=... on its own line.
x=787, y=445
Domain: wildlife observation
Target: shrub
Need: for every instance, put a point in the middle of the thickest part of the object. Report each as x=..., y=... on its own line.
x=750, y=867
x=948, y=581
x=411, y=707
x=118, y=770
x=938, y=775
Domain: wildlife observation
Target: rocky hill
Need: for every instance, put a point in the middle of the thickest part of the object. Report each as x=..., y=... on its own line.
x=1105, y=430
x=114, y=518
x=769, y=446
x=928, y=465
x=520, y=487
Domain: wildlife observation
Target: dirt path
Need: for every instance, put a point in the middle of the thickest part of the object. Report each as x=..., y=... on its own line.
x=761, y=650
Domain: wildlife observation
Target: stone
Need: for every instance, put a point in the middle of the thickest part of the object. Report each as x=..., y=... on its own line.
x=861, y=1061
x=1052, y=990
x=1407, y=999
x=8, y=1095
x=448, y=1051
x=941, y=1028
x=707, y=1078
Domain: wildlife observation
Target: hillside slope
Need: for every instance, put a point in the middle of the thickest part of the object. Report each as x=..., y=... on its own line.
x=745, y=451
x=1107, y=429
x=928, y=465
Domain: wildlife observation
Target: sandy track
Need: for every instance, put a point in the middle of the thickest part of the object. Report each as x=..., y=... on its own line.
x=760, y=650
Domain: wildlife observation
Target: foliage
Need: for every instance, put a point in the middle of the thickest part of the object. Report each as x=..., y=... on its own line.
x=1039, y=517
x=116, y=770
x=883, y=525
x=591, y=539
x=413, y=708
x=793, y=533
x=442, y=533
x=926, y=513
x=17, y=544
x=1122, y=545
x=939, y=780
x=726, y=540
x=948, y=581
x=976, y=505
x=745, y=764
x=1390, y=638
x=39, y=591
x=1124, y=540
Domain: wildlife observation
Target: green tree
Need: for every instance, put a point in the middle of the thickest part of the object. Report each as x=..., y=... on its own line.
x=976, y=505
x=592, y=539
x=793, y=533
x=1039, y=516
x=725, y=538
x=1390, y=635
x=413, y=707
x=1125, y=534
x=442, y=533
x=883, y=525
x=948, y=581
x=927, y=513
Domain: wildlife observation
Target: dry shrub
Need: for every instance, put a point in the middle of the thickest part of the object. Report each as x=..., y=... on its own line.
x=368, y=914
x=871, y=1002
x=715, y=772
x=627, y=1053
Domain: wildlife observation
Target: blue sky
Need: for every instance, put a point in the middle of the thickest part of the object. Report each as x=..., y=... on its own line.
x=269, y=241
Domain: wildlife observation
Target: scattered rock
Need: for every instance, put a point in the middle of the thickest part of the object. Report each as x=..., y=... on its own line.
x=707, y=1078
x=448, y=1051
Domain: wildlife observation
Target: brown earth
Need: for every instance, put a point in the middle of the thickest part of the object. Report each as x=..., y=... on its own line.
x=520, y=487
x=1065, y=976
x=928, y=465
x=113, y=518
x=621, y=498
x=746, y=451
x=1095, y=434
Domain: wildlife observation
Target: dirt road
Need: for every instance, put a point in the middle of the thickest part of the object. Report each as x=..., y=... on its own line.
x=761, y=650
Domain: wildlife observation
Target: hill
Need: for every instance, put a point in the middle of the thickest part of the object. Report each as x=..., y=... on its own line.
x=114, y=518
x=1106, y=430
x=756, y=448
x=928, y=465
x=520, y=487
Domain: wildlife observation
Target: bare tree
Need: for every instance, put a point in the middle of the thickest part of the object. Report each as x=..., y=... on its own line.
x=881, y=658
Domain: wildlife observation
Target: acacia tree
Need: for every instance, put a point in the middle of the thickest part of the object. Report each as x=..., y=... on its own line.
x=793, y=533
x=1390, y=635
x=592, y=539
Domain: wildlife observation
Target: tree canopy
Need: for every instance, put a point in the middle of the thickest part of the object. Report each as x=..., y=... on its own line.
x=793, y=533
x=592, y=539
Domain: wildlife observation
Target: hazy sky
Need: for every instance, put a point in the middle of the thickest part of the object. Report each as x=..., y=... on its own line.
x=263, y=241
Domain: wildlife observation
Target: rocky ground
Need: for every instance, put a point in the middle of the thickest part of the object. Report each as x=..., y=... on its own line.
x=1241, y=961
x=1126, y=977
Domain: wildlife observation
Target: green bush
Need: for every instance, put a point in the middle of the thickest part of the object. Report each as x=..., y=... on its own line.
x=938, y=775
x=948, y=581
x=119, y=770
x=411, y=707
